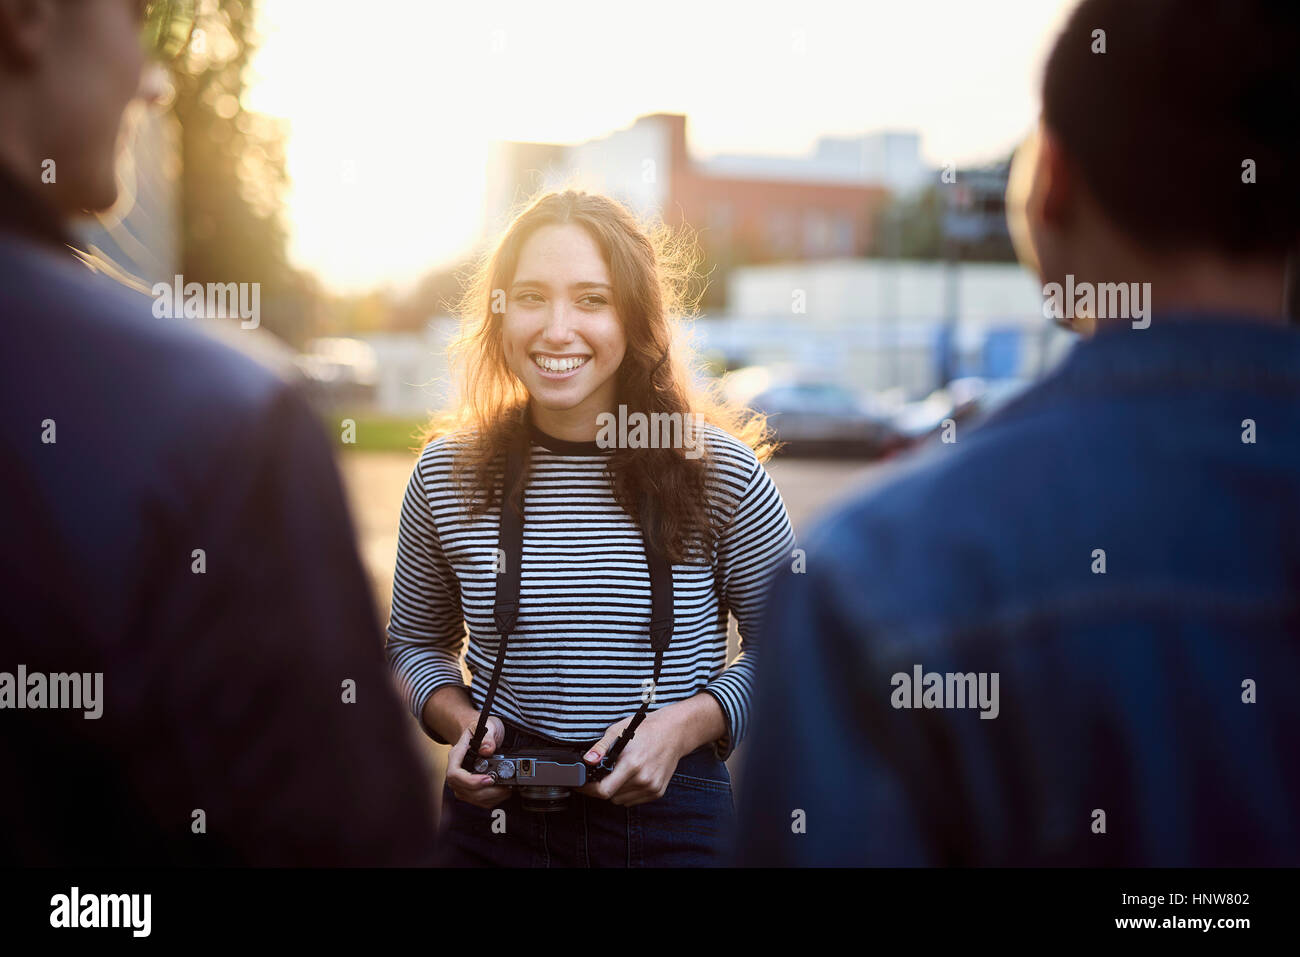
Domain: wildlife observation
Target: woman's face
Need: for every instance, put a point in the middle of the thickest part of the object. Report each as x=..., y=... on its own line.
x=561, y=334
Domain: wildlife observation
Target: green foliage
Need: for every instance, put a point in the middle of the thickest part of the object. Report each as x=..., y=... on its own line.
x=911, y=228
x=233, y=172
x=377, y=433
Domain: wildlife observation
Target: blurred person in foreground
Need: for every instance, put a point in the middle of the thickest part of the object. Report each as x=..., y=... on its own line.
x=128, y=443
x=1119, y=549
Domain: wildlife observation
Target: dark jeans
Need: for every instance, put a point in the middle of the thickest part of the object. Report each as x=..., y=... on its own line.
x=688, y=827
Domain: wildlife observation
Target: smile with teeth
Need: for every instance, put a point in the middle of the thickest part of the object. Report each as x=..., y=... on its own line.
x=559, y=365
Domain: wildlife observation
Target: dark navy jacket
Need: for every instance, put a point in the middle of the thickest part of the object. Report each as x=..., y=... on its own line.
x=224, y=691
x=1120, y=693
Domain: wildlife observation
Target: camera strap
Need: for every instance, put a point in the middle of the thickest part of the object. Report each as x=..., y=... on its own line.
x=505, y=608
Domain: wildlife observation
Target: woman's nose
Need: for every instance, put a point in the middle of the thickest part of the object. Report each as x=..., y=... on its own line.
x=559, y=325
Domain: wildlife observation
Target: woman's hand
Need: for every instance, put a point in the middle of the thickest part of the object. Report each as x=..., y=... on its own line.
x=643, y=770
x=477, y=789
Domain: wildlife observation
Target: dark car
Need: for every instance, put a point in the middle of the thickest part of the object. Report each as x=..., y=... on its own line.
x=825, y=419
x=966, y=400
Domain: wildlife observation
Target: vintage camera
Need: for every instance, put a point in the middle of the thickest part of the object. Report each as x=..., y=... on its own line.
x=545, y=776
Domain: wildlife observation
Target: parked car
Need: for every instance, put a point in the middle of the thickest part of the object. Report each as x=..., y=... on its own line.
x=966, y=400
x=813, y=417
x=339, y=371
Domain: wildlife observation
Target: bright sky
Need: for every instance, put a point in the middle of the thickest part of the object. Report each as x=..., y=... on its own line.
x=392, y=106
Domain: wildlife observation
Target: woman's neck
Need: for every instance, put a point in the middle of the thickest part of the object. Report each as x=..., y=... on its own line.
x=579, y=424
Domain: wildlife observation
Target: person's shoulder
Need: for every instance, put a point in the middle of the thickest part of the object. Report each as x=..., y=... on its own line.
x=99, y=332
x=437, y=460
x=165, y=418
x=731, y=467
x=729, y=458
x=985, y=465
x=447, y=445
x=948, y=530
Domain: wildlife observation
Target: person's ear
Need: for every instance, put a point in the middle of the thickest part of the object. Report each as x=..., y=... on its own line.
x=1020, y=183
x=1054, y=186
x=24, y=32
x=1039, y=200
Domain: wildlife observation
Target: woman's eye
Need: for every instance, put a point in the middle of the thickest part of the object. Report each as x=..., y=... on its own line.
x=593, y=300
x=528, y=297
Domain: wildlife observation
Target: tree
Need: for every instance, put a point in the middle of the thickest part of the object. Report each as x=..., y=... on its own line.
x=233, y=172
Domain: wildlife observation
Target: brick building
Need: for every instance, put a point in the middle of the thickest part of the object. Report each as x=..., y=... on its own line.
x=746, y=208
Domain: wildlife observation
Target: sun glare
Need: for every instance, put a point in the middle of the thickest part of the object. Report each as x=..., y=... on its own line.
x=391, y=115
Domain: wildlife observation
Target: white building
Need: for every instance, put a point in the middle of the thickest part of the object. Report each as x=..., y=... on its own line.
x=889, y=158
x=878, y=324
x=411, y=371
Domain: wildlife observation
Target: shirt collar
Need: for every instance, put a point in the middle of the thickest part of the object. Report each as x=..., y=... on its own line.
x=1196, y=349
x=564, y=446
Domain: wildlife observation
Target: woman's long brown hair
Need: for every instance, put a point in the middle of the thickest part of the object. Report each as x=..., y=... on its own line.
x=651, y=268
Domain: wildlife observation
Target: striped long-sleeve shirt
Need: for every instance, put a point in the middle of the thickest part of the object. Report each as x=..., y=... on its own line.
x=580, y=655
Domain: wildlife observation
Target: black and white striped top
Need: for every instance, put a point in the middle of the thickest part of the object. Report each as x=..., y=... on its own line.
x=579, y=658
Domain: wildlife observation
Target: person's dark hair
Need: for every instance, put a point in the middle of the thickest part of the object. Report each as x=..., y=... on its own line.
x=1160, y=124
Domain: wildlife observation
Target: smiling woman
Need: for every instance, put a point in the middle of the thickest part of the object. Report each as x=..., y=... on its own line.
x=572, y=315
x=561, y=332
x=571, y=320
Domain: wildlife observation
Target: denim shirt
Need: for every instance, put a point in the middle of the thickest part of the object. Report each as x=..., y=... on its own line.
x=1121, y=548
